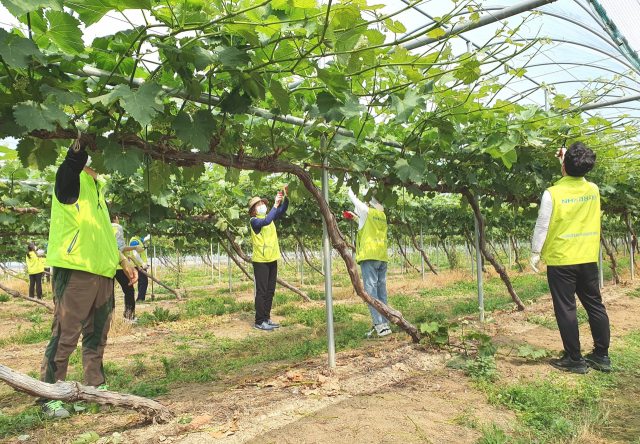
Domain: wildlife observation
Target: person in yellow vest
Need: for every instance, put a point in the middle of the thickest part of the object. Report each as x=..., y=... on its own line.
x=372, y=255
x=35, y=268
x=266, y=253
x=83, y=253
x=567, y=236
x=129, y=314
x=139, y=258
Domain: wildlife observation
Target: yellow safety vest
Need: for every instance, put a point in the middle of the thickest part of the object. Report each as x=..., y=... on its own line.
x=372, y=238
x=265, y=244
x=34, y=264
x=574, y=229
x=80, y=236
x=143, y=255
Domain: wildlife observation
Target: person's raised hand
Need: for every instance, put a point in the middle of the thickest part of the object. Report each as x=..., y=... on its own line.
x=285, y=190
x=348, y=215
x=535, y=261
x=278, y=198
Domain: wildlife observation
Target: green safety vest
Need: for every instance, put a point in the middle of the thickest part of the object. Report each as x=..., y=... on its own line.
x=143, y=255
x=574, y=229
x=80, y=236
x=265, y=244
x=372, y=238
x=34, y=264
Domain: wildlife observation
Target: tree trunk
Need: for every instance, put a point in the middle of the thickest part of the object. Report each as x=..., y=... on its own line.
x=447, y=252
x=614, y=264
x=515, y=252
x=421, y=250
x=304, y=254
x=72, y=391
x=248, y=260
x=405, y=256
x=493, y=247
x=483, y=248
x=17, y=294
x=615, y=245
x=236, y=261
x=157, y=281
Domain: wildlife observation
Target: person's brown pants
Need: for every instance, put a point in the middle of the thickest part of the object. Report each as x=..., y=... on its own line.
x=83, y=304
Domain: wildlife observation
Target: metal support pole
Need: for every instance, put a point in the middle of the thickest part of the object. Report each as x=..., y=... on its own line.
x=466, y=253
x=393, y=255
x=437, y=256
x=631, y=256
x=326, y=247
x=301, y=267
x=219, y=268
x=600, y=270
x=421, y=257
x=479, y=265
x=509, y=247
x=229, y=266
x=211, y=245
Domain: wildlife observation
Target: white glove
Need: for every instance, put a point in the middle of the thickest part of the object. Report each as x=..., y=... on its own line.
x=139, y=248
x=145, y=265
x=279, y=198
x=535, y=261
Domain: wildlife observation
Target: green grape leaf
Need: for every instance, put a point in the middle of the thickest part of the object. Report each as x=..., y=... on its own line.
x=91, y=11
x=35, y=117
x=232, y=176
x=233, y=57
x=87, y=438
x=197, y=131
x=413, y=170
x=63, y=97
x=468, y=71
x=142, y=104
x=18, y=52
x=281, y=95
x=561, y=101
x=509, y=158
x=193, y=173
x=256, y=178
x=436, y=33
x=235, y=102
x=21, y=7
x=352, y=106
x=117, y=159
x=404, y=107
x=203, y=58
x=37, y=155
x=335, y=81
x=64, y=31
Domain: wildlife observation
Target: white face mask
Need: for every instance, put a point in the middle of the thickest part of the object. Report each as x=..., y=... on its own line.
x=262, y=209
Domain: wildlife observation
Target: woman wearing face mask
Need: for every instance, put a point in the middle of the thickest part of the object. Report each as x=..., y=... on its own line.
x=266, y=253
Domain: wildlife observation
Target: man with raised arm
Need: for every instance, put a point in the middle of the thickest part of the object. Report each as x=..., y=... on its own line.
x=84, y=253
x=567, y=236
x=372, y=255
x=266, y=253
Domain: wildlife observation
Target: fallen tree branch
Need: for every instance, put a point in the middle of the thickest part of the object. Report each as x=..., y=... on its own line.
x=157, y=281
x=486, y=253
x=421, y=250
x=72, y=391
x=17, y=294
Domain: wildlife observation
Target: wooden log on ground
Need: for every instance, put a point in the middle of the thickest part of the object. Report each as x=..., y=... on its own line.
x=17, y=294
x=72, y=391
x=161, y=284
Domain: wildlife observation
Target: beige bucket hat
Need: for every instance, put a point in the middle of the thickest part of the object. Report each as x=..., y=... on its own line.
x=255, y=200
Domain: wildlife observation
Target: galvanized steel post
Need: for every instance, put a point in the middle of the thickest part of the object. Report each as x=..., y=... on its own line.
x=326, y=247
x=479, y=264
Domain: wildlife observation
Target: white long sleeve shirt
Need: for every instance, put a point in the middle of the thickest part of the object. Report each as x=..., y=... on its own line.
x=542, y=224
x=361, y=209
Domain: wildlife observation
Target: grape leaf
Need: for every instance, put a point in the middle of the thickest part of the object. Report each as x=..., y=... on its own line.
x=142, y=105
x=37, y=156
x=232, y=57
x=281, y=95
x=435, y=33
x=21, y=7
x=468, y=71
x=91, y=11
x=404, y=107
x=62, y=96
x=64, y=31
x=34, y=116
x=413, y=170
x=235, y=102
x=116, y=159
x=17, y=51
x=352, y=106
x=197, y=131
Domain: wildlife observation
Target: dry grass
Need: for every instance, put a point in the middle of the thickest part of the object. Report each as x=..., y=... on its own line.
x=19, y=285
x=119, y=327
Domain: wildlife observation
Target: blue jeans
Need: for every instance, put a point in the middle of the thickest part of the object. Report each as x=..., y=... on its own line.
x=374, y=276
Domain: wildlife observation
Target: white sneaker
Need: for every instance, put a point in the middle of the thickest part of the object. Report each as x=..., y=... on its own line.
x=383, y=329
x=132, y=321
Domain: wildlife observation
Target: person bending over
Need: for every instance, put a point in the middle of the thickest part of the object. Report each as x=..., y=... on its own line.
x=567, y=236
x=266, y=253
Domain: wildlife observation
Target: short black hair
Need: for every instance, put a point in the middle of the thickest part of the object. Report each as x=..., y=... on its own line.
x=579, y=160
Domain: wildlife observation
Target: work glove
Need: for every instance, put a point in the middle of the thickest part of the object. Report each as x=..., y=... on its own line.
x=535, y=261
x=348, y=215
x=279, y=198
x=139, y=249
x=145, y=266
x=285, y=190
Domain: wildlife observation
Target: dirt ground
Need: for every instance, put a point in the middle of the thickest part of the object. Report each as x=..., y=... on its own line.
x=388, y=391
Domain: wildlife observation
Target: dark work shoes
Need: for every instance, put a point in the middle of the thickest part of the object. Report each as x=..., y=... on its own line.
x=566, y=364
x=273, y=324
x=602, y=364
